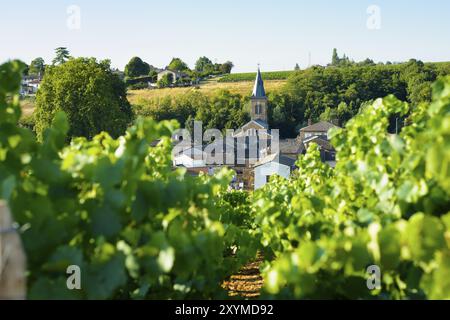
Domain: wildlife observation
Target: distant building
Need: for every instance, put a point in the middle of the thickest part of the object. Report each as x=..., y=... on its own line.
x=274, y=164
x=176, y=75
x=318, y=133
x=30, y=85
x=252, y=148
x=191, y=157
x=319, y=129
x=258, y=125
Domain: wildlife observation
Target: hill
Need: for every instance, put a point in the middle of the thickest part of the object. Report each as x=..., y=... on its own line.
x=250, y=76
x=208, y=88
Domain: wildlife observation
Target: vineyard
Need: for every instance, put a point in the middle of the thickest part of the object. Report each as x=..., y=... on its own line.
x=140, y=230
x=250, y=76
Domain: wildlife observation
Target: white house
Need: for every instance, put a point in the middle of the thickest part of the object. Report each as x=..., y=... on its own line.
x=190, y=158
x=30, y=85
x=274, y=164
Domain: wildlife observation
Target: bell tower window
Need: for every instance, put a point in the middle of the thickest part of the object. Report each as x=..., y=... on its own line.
x=258, y=109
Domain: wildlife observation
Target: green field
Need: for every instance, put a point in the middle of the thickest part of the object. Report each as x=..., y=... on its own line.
x=250, y=76
x=209, y=88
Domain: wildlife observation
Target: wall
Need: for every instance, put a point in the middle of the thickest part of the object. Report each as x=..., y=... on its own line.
x=267, y=169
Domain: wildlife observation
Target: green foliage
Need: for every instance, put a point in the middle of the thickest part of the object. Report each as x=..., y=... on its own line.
x=225, y=68
x=331, y=92
x=203, y=64
x=62, y=55
x=138, y=86
x=153, y=75
x=237, y=77
x=136, y=67
x=93, y=98
x=141, y=230
x=221, y=110
x=337, y=61
x=224, y=110
x=136, y=228
x=177, y=65
x=166, y=80
x=205, y=67
x=27, y=122
x=387, y=203
x=37, y=67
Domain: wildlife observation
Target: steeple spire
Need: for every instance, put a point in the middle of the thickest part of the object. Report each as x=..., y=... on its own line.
x=259, y=100
x=258, y=89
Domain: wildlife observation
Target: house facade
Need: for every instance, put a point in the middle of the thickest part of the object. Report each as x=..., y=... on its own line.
x=254, y=151
x=318, y=133
x=274, y=164
x=319, y=129
x=30, y=85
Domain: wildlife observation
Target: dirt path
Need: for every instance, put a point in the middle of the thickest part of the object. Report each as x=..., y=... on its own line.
x=247, y=283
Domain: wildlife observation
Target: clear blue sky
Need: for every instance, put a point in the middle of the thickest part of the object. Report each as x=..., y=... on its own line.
x=276, y=34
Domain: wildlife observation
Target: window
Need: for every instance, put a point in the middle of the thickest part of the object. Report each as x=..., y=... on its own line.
x=258, y=109
x=268, y=179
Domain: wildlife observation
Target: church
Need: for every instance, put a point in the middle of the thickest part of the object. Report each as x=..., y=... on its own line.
x=254, y=148
x=259, y=123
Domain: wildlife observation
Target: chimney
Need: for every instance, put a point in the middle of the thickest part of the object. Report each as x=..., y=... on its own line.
x=309, y=122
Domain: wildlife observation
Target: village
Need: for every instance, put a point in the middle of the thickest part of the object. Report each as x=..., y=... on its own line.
x=254, y=151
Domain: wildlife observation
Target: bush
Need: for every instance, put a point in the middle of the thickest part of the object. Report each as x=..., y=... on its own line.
x=138, y=86
x=27, y=122
x=93, y=98
x=275, y=75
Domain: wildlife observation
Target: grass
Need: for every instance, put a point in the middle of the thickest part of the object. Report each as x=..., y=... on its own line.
x=250, y=76
x=244, y=88
x=27, y=105
x=209, y=88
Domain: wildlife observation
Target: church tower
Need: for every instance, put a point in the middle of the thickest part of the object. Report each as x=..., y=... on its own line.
x=259, y=100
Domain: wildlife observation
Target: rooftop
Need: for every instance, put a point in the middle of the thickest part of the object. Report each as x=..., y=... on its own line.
x=276, y=157
x=322, y=126
x=258, y=89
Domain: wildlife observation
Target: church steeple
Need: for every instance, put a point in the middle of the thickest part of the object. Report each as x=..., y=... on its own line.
x=258, y=89
x=259, y=100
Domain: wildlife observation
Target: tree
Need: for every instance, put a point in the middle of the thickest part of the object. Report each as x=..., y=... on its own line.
x=297, y=67
x=136, y=67
x=62, y=55
x=367, y=62
x=178, y=65
x=37, y=67
x=226, y=67
x=335, y=58
x=153, y=75
x=93, y=97
x=330, y=115
x=165, y=81
x=203, y=64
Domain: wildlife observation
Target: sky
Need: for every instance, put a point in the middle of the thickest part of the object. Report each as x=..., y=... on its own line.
x=277, y=34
